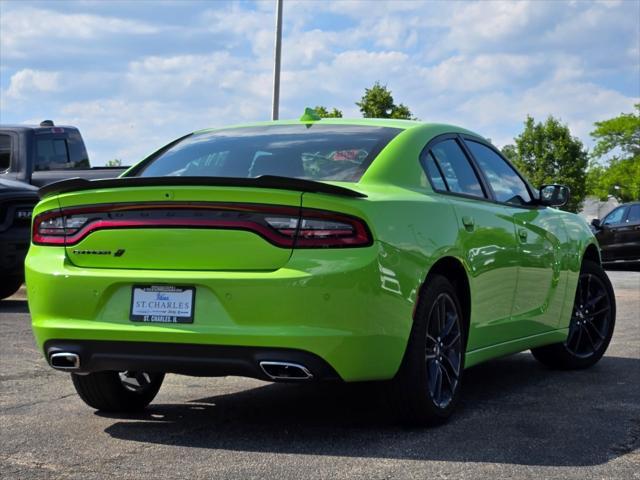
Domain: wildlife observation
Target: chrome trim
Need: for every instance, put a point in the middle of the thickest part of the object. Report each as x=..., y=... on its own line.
x=305, y=374
x=72, y=358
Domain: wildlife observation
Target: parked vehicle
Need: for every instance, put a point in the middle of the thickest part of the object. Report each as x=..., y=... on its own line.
x=44, y=154
x=17, y=200
x=619, y=233
x=313, y=250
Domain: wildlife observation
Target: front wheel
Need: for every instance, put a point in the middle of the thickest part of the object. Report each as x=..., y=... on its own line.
x=428, y=384
x=117, y=391
x=592, y=322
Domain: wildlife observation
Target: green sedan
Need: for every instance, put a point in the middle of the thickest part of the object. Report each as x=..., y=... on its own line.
x=313, y=250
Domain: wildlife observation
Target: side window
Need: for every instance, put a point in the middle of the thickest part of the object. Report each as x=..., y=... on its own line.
x=457, y=174
x=505, y=182
x=634, y=214
x=434, y=173
x=5, y=152
x=615, y=217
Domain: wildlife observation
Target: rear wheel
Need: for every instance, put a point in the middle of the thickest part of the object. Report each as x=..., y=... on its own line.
x=118, y=391
x=9, y=286
x=428, y=384
x=591, y=326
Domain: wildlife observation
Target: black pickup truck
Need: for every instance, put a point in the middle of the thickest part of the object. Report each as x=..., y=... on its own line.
x=46, y=153
x=30, y=157
x=17, y=200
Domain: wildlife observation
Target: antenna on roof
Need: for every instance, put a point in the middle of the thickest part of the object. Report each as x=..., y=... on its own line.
x=46, y=123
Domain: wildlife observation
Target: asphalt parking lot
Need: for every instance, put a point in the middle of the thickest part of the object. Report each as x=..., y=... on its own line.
x=517, y=420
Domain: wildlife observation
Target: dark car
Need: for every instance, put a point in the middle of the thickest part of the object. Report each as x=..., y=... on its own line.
x=46, y=153
x=619, y=233
x=17, y=200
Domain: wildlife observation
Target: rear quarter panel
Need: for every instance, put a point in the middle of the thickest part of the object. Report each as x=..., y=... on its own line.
x=411, y=232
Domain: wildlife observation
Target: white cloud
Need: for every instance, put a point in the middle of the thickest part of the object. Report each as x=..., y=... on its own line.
x=27, y=81
x=25, y=29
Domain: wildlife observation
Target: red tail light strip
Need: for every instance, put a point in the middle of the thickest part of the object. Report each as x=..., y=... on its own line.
x=306, y=228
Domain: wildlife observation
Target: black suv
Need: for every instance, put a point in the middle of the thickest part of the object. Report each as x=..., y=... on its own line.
x=17, y=200
x=619, y=233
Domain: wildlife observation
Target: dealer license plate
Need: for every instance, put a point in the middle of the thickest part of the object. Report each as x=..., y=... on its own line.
x=162, y=304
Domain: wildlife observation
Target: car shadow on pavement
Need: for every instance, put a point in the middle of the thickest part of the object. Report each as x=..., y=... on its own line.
x=512, y=411
x=14, y=306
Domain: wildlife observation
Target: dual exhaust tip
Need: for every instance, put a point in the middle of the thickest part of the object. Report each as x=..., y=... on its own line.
x=273, y=370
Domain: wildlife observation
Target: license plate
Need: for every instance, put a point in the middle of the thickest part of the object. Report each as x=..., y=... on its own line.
x=162, y=304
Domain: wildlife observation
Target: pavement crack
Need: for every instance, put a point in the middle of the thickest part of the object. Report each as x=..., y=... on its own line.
x=23, y=405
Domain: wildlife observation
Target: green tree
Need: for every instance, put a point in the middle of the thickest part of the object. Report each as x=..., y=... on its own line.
x=325, y=113
x=618, y=175
x=377, y=102
x=116, y=162
x=546, y=152
x=621, y=132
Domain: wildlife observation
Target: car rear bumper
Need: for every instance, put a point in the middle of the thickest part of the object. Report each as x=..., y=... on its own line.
x=327, y=304
x=186, y=359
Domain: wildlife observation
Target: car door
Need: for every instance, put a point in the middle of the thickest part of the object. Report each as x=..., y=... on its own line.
x=486, y=238
x=540, y=234
x=629, y=234
x=609, y=235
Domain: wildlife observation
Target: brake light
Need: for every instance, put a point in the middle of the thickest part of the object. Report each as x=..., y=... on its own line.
x=286, y=227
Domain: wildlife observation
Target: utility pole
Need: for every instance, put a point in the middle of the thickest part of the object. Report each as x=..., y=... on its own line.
x=275, y=107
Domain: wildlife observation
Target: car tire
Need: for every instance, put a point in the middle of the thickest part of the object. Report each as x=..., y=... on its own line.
x=9, y=286
x=427, y=387
x=117, y=391
x=591, y=326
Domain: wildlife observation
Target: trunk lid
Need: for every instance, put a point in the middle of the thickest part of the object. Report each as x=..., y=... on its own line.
x=190, y=227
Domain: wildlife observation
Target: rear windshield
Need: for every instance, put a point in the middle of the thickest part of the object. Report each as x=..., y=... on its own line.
x=60, y=151
x=314, y=152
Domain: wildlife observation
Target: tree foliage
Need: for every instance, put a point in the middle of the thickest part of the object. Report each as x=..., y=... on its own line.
x=378, y=102
x=325, y=113
x=621, y=132
x=618, y=175
x=116, y=162
x=546, y=152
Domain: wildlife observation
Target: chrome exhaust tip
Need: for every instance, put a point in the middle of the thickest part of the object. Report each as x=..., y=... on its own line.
x=65, y=361
x=285, y=371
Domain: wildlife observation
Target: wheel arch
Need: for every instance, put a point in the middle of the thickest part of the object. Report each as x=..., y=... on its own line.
x=592, y=252
x=453, y=269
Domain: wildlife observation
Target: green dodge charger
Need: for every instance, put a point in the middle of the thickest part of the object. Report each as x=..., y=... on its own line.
x=313, y=250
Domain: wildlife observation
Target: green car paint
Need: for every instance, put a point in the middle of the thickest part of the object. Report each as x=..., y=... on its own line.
x=353, y=307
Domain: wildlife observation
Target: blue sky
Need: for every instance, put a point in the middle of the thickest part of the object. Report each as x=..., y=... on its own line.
x=134, y=75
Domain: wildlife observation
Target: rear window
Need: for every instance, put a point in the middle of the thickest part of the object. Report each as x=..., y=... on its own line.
x=60, y=151
x=314, y=152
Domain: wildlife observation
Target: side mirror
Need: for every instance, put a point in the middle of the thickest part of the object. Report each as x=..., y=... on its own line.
x=596, y=223
x=554, y=195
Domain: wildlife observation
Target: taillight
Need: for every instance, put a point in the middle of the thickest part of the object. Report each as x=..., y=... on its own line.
x=286, y=227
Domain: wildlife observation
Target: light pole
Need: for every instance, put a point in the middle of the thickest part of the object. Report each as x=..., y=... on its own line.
x=275, y=106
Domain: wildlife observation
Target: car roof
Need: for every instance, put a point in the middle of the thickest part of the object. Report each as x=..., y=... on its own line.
x=372, y=122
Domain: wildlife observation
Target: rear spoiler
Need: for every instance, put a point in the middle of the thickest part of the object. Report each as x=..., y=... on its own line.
x=264, y=181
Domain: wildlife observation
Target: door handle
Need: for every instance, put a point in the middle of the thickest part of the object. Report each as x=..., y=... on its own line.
x=468, y=222
x=522, y=233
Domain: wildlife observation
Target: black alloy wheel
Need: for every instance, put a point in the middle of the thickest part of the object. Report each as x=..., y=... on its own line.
x=591, y=326
x=444, y=350
x=590, y=318
x=427, y=386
